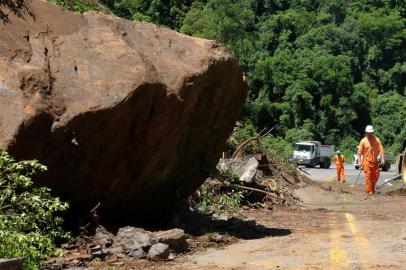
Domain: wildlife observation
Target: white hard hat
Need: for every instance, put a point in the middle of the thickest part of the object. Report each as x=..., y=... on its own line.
x=369, y=129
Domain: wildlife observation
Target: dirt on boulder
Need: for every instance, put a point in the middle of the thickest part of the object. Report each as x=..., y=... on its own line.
x=126, y=114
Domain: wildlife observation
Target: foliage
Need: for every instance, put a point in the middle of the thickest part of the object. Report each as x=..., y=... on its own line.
x=76, y=5
x=225, y=196
x=205, y=200
x=231, y=200
x=244, y=131
x=267, y=144
x=348, y=147
x=222, y=20
x=390, y=119
x=28, y=222
x=277, y=146
x=227, y=200
x=313, y=67
x=168, y=13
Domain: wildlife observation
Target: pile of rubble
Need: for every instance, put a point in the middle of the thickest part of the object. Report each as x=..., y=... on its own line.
x=129, y=243
x=268, y=180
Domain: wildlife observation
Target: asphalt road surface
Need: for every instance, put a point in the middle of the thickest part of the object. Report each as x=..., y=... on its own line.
x=351, y=174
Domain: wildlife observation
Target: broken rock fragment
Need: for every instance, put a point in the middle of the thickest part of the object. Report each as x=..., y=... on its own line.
x=159, y=251
x=131, y=239
x=175, y=238
x=245, y=170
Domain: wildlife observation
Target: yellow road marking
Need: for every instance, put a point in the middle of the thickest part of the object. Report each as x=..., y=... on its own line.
x=338, y=255
x=339, y=259
x=365, y=249
x=350, y=219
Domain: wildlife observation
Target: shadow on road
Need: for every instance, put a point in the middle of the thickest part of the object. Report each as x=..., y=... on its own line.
x=197, y=225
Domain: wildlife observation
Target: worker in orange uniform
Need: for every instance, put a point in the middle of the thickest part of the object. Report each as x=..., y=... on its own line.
x=369, y=149
x=339, y=159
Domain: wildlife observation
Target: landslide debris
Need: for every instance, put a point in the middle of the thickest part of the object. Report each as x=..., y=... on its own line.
x=271, y=184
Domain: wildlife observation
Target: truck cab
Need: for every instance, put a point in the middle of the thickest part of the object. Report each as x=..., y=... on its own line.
x=313, y=153
x=305, y=154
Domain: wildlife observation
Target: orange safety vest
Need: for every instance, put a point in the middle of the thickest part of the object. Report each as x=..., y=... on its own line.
x=370, y=148
x=339, y=159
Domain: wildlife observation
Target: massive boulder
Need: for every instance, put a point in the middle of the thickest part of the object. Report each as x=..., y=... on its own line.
x=126, y=114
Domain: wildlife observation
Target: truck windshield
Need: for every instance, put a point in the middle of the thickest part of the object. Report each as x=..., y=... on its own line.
x=303, y=147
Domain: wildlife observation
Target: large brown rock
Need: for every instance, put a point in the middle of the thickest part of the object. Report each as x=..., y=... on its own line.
x=124, y=113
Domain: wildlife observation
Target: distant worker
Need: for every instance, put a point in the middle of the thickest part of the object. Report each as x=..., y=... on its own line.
x=339, y=159
x=369, y=149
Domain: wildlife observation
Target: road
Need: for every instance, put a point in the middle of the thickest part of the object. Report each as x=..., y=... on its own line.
x=351, y=174
x=338, y=227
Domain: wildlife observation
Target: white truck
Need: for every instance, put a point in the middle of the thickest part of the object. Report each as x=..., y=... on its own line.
x=385, y=167
x=313, y=153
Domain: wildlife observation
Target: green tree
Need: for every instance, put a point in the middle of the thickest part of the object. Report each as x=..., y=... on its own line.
x=29, y=225
x=76, y=5
x=389, y=119
x=222, y=20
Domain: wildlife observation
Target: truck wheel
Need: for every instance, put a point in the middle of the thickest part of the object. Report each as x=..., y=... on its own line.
x=356, y=167
x=312, y=164
x=327, y=165
x=385, y=167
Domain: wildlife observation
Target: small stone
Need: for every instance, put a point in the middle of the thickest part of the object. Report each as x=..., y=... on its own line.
x=95, y=250
x=172, y=256
x=159, y=251
x=98, y=254
x=56, y=266
x=131, y=238
x=137, y=254
x=109, y=243
x=103, y=236
x=216, y=237
x=175, y=238
x=93, y=247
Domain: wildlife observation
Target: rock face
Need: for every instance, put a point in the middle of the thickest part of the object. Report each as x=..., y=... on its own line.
x=127, y=114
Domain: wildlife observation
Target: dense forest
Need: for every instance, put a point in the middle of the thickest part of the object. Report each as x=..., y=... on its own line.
x=317, y=69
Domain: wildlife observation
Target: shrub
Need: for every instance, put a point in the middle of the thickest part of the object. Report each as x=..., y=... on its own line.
x=223, y=196
x=348, y=146
x=28, y=222
x=80, y=6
